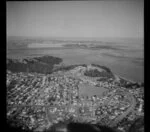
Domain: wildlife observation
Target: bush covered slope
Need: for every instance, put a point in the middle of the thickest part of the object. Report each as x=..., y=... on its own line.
x=42, y=64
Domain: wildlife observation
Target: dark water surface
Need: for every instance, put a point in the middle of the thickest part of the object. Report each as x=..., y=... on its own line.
x=127, y=62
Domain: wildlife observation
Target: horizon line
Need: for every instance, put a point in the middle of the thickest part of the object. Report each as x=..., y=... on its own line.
x=72, y=37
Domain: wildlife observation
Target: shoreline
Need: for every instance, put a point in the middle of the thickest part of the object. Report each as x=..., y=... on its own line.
x=126, y=79
x=28, y=56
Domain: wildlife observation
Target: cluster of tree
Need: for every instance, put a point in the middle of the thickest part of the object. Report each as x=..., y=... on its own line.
x=138, y=125
x=127, y=84
x=51, y=100
x=102, y=79
x=43, y=64
x=102, y=67
x=96, y=73
x=17, y=126
x=70, y=67
x=50, y=60
x=123, y=82
x=12, y=84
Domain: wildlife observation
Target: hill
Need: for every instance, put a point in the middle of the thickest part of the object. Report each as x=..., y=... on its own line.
x=42, y=64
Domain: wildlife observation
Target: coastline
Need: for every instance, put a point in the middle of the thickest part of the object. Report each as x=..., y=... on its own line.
x=125, y=79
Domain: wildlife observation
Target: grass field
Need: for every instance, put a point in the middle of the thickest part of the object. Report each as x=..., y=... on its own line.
x=87, y=89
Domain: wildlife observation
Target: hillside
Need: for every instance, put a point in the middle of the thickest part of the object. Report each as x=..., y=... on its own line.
x=42, y=64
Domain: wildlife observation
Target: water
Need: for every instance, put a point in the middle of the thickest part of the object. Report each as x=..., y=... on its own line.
x=128, y=61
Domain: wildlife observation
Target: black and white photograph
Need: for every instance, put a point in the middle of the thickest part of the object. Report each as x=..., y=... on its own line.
x=75, y=66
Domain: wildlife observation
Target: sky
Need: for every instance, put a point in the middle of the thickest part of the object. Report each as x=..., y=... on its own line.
x=94, y=19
